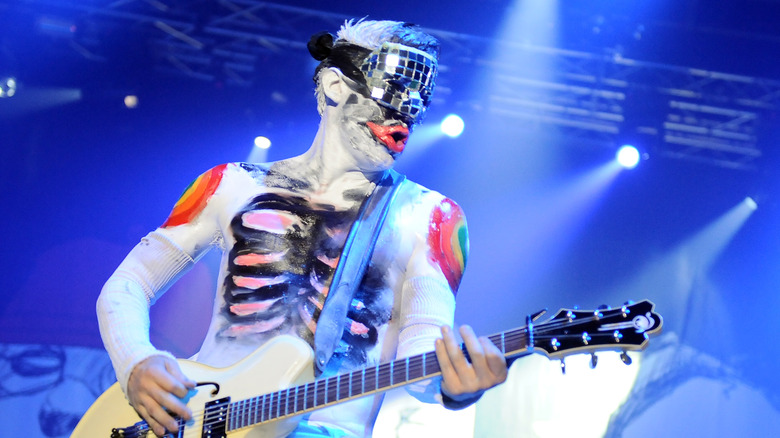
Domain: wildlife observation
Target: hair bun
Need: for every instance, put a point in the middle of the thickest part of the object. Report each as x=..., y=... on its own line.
x=320, y=45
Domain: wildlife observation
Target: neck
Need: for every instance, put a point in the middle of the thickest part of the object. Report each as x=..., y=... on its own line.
x=330, y=161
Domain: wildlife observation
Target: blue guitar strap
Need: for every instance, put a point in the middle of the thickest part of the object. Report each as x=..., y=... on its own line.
x=352, y=265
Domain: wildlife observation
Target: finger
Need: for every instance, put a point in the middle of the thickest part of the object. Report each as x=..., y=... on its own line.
x=481, y=376
x=168, y=386
x=449, y=376
x=475, y=349
x=496, y=363
x=171, y=384
x=160, y=415
x=156, y=427
x=170, y=404
x=455, y=352
x=494, y=358
x=175, y=371
x=144, y=407
x=176, y=383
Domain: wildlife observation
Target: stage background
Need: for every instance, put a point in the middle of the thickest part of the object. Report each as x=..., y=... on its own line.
x=85, y=177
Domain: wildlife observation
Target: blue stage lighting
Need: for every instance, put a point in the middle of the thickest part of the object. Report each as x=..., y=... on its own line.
x=7, y=86
x=628, y=156
x=452, y=125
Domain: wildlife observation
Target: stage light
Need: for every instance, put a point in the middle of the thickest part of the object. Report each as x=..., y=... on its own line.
x=7, y=87
x=262, y=142
x=628, y=156
x=131, y=101
x=452, y=125
x=259, y=152
x=751, y=203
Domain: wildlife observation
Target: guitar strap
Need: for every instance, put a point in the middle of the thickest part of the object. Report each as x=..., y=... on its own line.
x=352, y=265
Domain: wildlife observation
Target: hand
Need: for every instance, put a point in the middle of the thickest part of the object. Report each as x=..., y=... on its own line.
x=463, y=380
x=155, y=389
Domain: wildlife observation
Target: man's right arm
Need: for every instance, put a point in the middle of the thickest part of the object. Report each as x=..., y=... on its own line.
x=150, y=378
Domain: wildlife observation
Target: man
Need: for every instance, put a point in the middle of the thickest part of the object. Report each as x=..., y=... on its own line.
x=282, y=228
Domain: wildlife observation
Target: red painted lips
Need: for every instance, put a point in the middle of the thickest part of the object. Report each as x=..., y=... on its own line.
x=394, y=136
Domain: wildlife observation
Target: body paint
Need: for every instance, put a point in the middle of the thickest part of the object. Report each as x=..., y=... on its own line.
x=253, y=259
x=272, y=221
x=251, y=308
x=195, y=197
x=279, y=267
x=238, y=330
x=358, y=329
x=393, y=136
x=257, y=282
x=449, y=241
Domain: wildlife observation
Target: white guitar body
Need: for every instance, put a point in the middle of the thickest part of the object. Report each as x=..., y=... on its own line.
x=280, y=363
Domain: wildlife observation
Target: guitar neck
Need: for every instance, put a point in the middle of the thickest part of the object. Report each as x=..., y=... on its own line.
x=343, y=387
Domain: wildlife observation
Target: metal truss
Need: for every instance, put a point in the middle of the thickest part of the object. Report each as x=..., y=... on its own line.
x=685, y=113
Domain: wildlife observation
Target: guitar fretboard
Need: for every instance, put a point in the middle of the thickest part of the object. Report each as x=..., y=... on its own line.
x=300, y=399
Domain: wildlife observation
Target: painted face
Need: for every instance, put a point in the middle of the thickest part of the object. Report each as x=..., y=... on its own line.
x=376, y=134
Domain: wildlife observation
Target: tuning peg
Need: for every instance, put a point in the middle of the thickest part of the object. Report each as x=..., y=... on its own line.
x=594, y=360
x=563, y=367
x=628, y=303
x=604, y=307
x=625, y=358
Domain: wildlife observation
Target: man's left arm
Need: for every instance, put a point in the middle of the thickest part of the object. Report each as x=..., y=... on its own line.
x=434, y=274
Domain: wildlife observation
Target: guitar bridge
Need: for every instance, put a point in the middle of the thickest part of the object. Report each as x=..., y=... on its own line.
x=215, y=417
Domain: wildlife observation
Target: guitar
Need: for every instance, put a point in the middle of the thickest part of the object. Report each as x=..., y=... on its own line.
x=225, y=402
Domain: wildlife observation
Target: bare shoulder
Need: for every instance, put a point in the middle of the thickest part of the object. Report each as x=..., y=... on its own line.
x=423, y=204
x=440, y=224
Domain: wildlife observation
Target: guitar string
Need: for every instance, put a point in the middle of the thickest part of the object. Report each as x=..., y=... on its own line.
x=281, y=400
x=556, y=324
x=380, y=379
x=252, y=408
x=384, y=373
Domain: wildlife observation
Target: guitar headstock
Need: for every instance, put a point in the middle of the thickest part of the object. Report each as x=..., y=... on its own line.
x=572, y=331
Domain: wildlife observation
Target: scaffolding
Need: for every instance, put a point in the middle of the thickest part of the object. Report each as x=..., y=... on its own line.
x=685, y=113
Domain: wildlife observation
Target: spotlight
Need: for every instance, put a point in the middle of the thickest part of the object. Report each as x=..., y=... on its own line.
x=259, y=152
x=131, y=101
x=7, y=86
x=751, y=203
x=262, y=142
x=452, y=125
x=627, y=156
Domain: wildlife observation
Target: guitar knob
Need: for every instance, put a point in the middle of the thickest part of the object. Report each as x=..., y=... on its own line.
x=563, y=367
x=625, y=358
x=594, y=360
